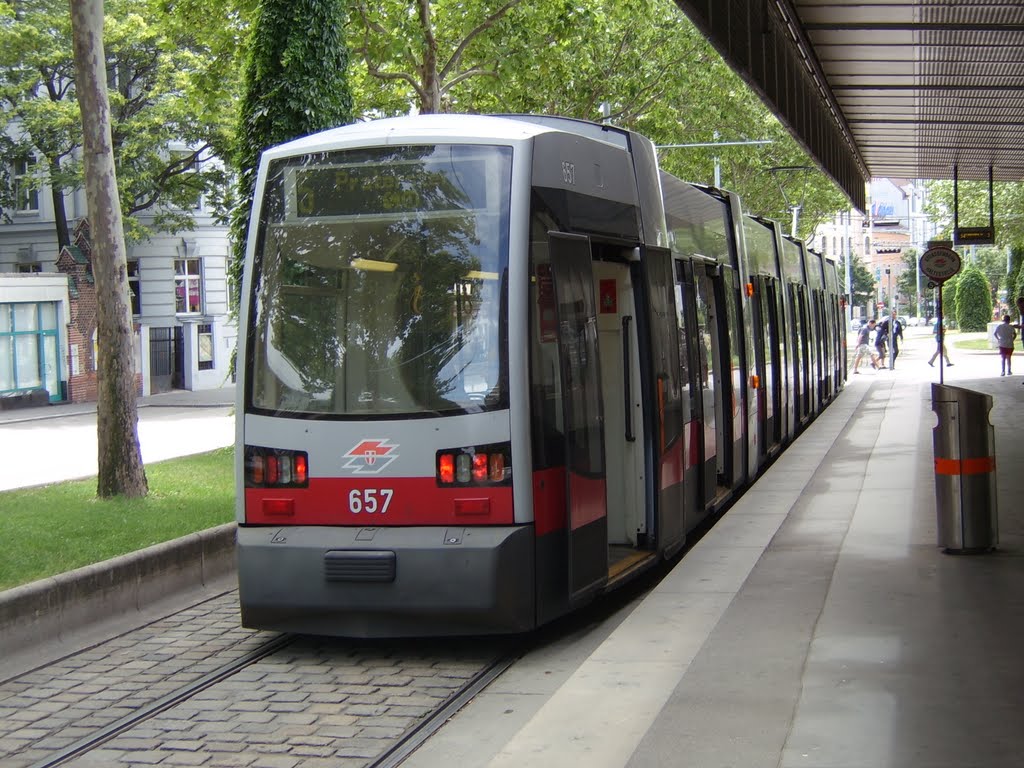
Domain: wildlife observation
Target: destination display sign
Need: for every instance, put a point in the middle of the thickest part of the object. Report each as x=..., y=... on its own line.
x=940, y=264
x=974, y=235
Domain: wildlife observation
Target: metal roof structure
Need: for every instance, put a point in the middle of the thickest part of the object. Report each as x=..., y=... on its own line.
x=884, y=88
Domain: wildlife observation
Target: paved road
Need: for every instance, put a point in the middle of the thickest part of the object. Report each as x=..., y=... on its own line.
x=58, y=442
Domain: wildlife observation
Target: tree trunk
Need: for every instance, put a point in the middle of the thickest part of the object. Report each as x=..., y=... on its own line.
x=60, y=215
x=430, y=101
x=120, y=470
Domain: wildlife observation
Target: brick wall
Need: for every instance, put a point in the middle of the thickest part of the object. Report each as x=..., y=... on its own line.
x=76, y=262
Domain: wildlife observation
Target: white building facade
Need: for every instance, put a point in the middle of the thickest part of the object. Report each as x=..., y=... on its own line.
x=179, y=295
x=896, y=223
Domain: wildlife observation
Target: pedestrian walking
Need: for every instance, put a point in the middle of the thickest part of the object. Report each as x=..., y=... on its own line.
x=1005, y=334
x=863, y=346
x=940, y=344
x=881, y=341
x=890, y=327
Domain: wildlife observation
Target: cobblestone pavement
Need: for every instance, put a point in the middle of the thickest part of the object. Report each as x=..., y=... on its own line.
x=316, y=702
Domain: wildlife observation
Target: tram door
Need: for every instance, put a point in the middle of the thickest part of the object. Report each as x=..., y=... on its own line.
x=618, y=328
x=761, y=368
x=711, y=326
x=771, y=381
x=799, y=345
x=583, y=425
x=694, y=365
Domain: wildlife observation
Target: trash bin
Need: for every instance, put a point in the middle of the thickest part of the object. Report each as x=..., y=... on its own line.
x=965, y=470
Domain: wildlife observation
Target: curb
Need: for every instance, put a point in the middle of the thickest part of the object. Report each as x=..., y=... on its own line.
x=52, y=608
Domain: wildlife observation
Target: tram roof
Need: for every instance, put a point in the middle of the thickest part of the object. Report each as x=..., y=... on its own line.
x=441, y=128
x=884, y=88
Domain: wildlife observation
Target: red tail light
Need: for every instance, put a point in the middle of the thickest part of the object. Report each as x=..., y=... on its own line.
x=480, y=467
x=474, y=466
x=446, y=468
x=275, y=468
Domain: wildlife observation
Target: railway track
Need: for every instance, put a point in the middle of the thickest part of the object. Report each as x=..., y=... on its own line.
x=164, y=703
x=216, y=691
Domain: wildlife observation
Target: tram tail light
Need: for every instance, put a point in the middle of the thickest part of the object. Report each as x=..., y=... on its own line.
x=274, y=468
x=446, y=468
x=474, y=466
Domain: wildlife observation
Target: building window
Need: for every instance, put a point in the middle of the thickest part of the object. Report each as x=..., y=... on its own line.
x=26, y=193
x=188, y=284
x=134, y=287
x=30, y=268
x=206, y=347
x=29, y=357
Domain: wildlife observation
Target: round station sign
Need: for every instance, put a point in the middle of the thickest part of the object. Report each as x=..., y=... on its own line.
x=940, y=263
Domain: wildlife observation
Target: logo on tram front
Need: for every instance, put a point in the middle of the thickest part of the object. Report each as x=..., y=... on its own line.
x=370, y=457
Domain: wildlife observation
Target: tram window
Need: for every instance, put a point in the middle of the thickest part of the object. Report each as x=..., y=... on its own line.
x=665, y=348
x=384, y=302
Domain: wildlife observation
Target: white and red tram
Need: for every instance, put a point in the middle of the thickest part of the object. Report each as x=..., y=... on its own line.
x=492, y=367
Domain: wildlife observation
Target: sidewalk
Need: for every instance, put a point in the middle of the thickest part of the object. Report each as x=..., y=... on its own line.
x=54, y=443
x=182, y=398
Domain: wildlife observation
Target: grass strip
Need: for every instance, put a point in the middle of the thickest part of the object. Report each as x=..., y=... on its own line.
x=55, y=528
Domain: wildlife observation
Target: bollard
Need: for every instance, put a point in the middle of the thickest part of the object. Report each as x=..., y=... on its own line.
x=965, y=470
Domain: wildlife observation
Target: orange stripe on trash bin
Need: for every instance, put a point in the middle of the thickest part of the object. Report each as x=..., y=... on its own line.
x=965, y=466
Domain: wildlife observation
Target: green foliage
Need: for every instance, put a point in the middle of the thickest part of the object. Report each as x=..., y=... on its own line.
x=170, y=84
x=863, y=282
x=296, y=83
x=643, y=59
x=1013, y=276
x=992, y=263
x=1019, y=290
x=973, y=300
x=973, y=205
x=907, y=280
x=55, y=528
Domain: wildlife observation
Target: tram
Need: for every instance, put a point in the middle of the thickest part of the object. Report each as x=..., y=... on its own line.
x=492, y=367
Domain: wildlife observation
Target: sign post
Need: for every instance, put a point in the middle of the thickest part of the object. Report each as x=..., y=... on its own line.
x=940, y=264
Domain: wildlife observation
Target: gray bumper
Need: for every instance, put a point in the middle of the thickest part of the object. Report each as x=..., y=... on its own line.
x=387, y=582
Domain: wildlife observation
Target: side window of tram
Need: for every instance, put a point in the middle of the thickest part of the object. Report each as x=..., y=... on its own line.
x=684, y=293
x=665, y=349
x=545, y=395
x=579, y=332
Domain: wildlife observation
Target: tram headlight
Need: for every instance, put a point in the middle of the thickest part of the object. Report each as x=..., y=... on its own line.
x=478, y=465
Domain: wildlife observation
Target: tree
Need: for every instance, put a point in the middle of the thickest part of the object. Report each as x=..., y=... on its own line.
x=973, y=205
x=296, y=83
x=169, y=82
x=1019, y=290
x=429, y=59
x=120, y=469
x=908, y=279
x=1012, y=276
x=863, y=283
x=992, y=263
x=973, y=300
x=642, y=60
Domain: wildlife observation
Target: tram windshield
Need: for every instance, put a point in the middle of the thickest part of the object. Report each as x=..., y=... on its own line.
x=379, y=280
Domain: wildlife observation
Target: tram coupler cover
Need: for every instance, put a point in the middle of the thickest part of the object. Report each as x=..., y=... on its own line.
x=965, y=470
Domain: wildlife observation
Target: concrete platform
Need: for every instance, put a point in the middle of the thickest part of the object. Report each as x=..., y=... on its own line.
x=818, y=624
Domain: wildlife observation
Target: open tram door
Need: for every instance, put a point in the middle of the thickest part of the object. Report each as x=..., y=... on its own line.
x=582, y=419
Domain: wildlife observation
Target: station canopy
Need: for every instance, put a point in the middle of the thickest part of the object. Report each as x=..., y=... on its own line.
x=884, y=88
